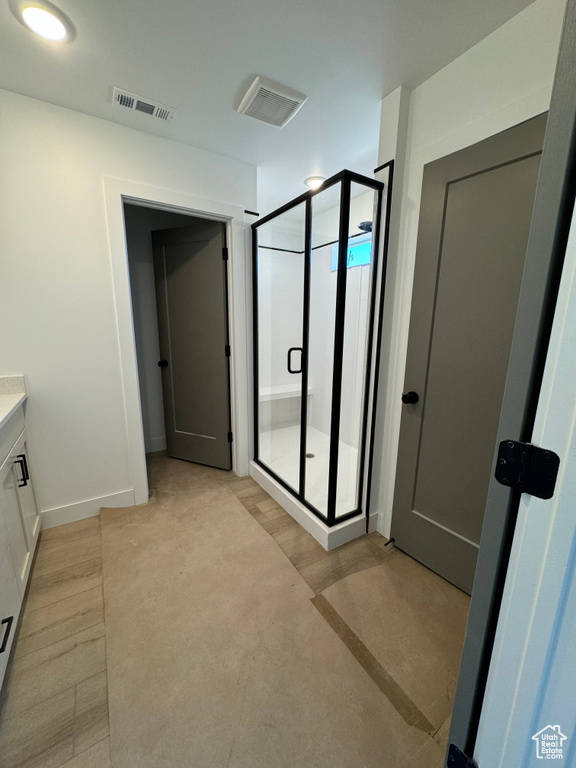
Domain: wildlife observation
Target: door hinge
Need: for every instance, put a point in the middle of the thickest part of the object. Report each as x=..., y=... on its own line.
x=227, y=350
x=230, y=437
x=225, y=253
x=527, y=468
x=457, y=759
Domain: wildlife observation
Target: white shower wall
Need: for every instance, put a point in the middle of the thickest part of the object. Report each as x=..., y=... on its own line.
x=325, y=228
x=280, y=308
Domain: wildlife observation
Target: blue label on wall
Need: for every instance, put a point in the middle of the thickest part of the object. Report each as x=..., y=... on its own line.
x=359, y=252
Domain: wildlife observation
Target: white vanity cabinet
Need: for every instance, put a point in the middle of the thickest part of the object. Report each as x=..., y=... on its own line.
x=18, y=508
x=19, y=520
x=10, y=601
x=25, y=492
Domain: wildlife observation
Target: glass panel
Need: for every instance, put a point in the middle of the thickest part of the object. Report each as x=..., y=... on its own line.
x=280, y=273
x=354, y=358
x=325, y=226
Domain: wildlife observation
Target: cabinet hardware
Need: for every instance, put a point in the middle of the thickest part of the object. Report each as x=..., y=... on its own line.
x=8, y=623
x=21, y=459
x=25, y=468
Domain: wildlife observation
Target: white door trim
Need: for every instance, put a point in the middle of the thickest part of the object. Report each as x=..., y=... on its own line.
x=116, y=193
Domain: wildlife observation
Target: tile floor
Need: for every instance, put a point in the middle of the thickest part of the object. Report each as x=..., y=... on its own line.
x=391, y=627
x=54, y=704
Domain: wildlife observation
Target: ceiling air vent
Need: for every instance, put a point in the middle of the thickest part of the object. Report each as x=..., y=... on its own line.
x=271, y=102
x=136, y=103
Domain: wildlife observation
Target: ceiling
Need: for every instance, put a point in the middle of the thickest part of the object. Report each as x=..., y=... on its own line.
x=200, y=56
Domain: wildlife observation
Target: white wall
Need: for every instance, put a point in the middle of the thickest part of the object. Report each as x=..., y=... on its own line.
x=503, y=80
x=140, y=222
x=57, y=302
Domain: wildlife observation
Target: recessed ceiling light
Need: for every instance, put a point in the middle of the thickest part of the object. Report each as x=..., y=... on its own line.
x=314, y=182
x=44, y=19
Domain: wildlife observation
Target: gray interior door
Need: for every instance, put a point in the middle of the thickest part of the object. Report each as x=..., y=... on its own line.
x=474, y=224
x=191, y=297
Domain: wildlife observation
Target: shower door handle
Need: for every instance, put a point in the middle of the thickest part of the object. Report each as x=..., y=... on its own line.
x=289, y=360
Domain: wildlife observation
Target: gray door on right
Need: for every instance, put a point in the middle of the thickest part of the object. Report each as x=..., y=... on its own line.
x=474, y=222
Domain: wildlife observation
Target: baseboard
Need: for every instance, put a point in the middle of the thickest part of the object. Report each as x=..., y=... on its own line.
x=71, y=513
x=154, y=444
x=383, y=524
x=373, y=522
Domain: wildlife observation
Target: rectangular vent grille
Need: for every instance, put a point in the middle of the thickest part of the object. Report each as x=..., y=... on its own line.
x=139, y=104
x=271, y=102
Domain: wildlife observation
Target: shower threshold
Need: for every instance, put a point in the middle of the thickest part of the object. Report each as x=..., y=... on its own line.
x=276, y=453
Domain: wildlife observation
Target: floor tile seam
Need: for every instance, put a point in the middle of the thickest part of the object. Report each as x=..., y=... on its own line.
x=69, y=637
x=74, y=720
x=42, y=571
x=352, y=573
x=66, y=637
x=318, y=560
x=38, y=588
x=36, y=577
x=54, y=747
x=297, y=568
x=77, y=754
x=403, y=704
x=106, y=667
x=440, y=727
x=53, y=696
x=40, y=575
x=43, y=607
x=277, y=545
x=37, y=704
x=74, y=594
x=47, y=544
x=42, y=545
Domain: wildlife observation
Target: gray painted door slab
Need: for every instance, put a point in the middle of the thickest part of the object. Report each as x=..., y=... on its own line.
x=191, y=298
x=474, y=224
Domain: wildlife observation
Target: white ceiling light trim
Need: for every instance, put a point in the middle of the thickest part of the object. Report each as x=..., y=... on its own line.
x=44, y=19
x=271, y=102
x=314, y=182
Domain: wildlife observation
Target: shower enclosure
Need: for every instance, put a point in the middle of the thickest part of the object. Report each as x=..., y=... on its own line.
x=318, y=273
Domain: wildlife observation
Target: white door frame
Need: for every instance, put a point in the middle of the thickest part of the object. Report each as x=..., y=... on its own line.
x=116, y=193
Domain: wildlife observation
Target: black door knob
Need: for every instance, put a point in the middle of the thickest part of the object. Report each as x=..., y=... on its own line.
x=410, y=398
x=163, y=363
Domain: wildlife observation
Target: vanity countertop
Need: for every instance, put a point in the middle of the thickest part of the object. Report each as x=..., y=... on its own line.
x=12, y=395
x=9, y=404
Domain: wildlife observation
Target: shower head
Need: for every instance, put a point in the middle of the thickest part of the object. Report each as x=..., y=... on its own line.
x=365, y=226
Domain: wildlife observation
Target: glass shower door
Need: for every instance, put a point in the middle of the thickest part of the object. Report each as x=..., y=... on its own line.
x=318, y=304
x=279, y=277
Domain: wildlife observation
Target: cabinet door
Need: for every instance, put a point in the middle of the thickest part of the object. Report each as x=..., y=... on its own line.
x=25, y=491
x=10, y=601
x=10, y=509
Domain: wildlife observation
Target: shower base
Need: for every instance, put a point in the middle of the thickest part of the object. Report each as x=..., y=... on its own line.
x=279, y=450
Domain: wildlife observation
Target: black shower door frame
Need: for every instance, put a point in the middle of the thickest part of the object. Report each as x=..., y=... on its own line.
x=346, y=178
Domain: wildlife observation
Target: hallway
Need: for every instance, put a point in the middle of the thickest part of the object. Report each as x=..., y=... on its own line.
x=230, y=638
